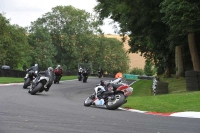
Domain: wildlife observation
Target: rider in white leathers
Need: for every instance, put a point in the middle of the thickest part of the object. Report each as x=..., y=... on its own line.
x=102, y=88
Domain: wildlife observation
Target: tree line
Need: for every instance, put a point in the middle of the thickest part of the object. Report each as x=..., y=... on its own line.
x=166, y=32
x=65, y=36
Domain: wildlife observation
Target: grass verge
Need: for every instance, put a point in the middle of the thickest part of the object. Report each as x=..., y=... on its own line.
x=143, y=99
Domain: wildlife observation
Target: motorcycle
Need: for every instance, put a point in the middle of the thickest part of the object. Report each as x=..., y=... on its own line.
x=85, y=75
x=29, y=78
x=38, y=84
x=118, y=92
x=56, y=79
x=80, y=76
x=100, y=73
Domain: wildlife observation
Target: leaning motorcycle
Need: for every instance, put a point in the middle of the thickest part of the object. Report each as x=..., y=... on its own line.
x=85, y=75
x=119, y=92
x=29, y=78
x=38, y=84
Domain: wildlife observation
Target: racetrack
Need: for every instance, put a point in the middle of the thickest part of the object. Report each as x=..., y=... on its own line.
x=61, y=110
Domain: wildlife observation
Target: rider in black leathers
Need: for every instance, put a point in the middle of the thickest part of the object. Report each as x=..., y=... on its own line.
x=100, y=71
x=33, y=68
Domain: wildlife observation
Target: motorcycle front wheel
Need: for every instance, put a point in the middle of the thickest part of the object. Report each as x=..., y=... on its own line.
x=84, y=79
x=116, y=102
x=88, y=101
x=26, y=83
x=36, y=89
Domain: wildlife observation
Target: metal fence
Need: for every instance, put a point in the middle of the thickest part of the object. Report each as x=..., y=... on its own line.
x=21, y=74
x=11, y=73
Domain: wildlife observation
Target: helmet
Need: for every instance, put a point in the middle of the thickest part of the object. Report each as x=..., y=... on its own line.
x=50, y=69
x=102, y=82
x=58, y=66
x=36, y=64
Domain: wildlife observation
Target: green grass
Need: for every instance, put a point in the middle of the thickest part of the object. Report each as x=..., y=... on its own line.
x=7, y=80
x=177, y=100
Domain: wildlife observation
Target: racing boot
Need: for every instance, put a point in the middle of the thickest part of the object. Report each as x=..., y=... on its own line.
x=26, y=76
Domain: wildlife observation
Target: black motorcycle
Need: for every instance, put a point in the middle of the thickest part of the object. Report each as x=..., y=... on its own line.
x=57, y=79
x=100, y=73
x=28, y=79
x=85, y=75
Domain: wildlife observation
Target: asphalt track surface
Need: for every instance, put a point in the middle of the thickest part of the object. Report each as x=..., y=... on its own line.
x=61, y=110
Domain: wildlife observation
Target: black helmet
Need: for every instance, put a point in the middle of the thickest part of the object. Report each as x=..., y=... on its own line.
x=102, y=82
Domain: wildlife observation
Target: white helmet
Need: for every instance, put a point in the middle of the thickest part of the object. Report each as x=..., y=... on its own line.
x=50, y=69
x=36, y=64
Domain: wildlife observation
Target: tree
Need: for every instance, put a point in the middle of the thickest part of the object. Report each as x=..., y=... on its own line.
x=179, y=61
x=70, y=30
x=77, y=38
x=141, y=20
x=42, y=51
x=13, y=45
x=148, y=68
x=184, y=16
x=112, y=56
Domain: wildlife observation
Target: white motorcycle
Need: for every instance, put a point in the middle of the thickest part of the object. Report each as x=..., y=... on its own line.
x=118, y=92
x=42, y=82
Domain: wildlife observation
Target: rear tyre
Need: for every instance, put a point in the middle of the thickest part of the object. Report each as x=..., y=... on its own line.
x=99, y=75
x=84, y=79
x=88, y=102
x=117, y=102
x=79, y=78
x=26, y=83
x=36, y=89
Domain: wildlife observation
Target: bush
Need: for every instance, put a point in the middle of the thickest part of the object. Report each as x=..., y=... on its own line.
x=137, y=71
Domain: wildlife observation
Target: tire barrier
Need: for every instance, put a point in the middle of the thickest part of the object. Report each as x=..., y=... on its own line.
x=159, y=87
x=192, y=79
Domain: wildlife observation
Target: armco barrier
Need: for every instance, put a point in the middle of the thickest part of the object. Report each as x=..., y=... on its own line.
x=130, y=76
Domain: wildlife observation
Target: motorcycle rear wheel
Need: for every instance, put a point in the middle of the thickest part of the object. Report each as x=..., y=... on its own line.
x=99, y=75
x=88, y=101
x=26, y=83
x=36, y=89
x=79, y=78
x=117, y=102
